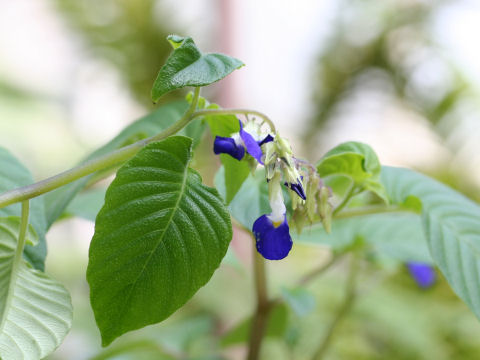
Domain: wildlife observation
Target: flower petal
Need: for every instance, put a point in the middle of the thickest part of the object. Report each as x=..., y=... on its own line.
x=273, y=242
x=423, y=274
x=252, y=146
x=298, y=188
x=267, y=139
x=226, y=145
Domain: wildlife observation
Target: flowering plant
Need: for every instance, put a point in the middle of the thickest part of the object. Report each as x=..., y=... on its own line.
x=161, y=233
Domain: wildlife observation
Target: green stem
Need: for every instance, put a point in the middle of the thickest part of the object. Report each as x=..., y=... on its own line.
x=23, y=229
x=313, y=274
x=350, y=294
x=262, y=311
x=114, y=158
x=372, y=210
x=346, y=199
x=239, y=112
x=16, y=262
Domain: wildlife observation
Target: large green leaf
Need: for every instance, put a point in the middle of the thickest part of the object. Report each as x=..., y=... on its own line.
x=187, y=66
x=452, y=227
x=395, y=235
x=356, y=161
x=56, y=201
x=12, y=175
x=159, y=237
x=35, y=310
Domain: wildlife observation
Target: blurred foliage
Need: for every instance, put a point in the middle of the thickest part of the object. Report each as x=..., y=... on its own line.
x=388, y=45
x=388, y=48
x=130, y=35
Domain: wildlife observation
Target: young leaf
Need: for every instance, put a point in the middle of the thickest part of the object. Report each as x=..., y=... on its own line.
x=397, y=236
x=187, y=66
x=35, y=310
x=356, y=161
x=12, y=175
x=452, y=226
x=57, y=200
x=159, y=237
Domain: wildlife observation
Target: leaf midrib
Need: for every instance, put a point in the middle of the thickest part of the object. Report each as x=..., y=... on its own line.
x=177, y=205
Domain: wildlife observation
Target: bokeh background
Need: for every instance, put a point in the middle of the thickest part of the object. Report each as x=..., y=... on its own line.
x=400, y=75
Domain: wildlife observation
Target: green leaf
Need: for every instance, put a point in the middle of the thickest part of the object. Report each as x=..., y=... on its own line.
x=87, y=204
x=250, y=202
x=12, y=175
x=35, y=310
x=236, y=172
x=56, y=201
x=356, y=161
x=276, y=327
x=300, y=300
x=397, y=236
x=452, y=226
x=159, y=237
x=187, y=66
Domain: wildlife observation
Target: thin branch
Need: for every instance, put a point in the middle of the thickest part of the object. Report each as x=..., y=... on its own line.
x=350, y=193
x=262, y=311
x=350, y=295
x=114, y=158
x=245, y=112
x=316, y=272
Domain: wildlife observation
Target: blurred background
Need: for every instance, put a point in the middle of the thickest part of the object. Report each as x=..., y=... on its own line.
x=400, y=75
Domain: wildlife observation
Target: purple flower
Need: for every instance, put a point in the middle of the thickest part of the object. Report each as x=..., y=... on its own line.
x=423, y=274
x=226, y=145
x=298, y=188
x=273, y=239
x=236, y=145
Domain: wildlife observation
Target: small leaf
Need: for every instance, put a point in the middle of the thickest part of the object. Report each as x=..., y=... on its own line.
x=452, y=226
x=56, y=201
x=159, y=237
x=12, y=175
x=35, y=310
x=300, y=300
x=397, y=236
x=356, y=161
x=276, y=327
x=187, y=66
x=250, y=202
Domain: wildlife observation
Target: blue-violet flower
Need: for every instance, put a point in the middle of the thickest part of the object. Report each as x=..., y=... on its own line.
x=247, y=139
x=272, y=234
x=423, y=274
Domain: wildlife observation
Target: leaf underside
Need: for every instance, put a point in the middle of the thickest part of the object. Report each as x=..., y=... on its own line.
x=159, y=237
x=35, y=310
x=452, y=226
x=12, y=175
